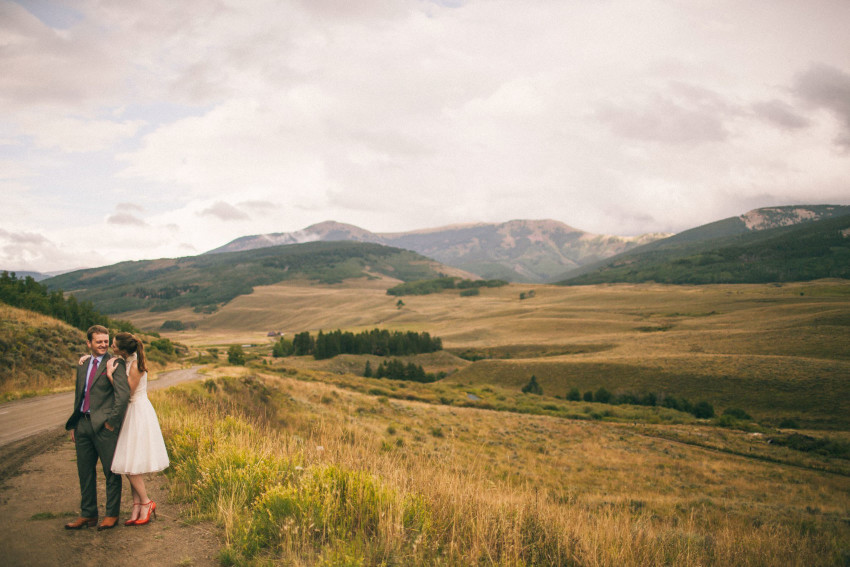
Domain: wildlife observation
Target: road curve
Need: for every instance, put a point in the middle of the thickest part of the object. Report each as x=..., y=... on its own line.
x=20, y=419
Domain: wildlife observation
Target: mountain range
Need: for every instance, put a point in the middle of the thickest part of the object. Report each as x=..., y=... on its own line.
x=775, y=244
x=516, y=251
x=534, y=251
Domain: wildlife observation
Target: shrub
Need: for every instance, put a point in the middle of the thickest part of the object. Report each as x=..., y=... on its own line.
x=532, y=387
x=602, y=396
x=240, y=474
x=737, y=414
x=574, y=395
x=703, y=410
x=282, y=347
x=235, y=355
x=588, y=396
x=173, y=325
x=163, y=345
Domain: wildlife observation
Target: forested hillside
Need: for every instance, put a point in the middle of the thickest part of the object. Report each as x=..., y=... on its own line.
x=27, y=293
x=801, y=252
x=207, y=281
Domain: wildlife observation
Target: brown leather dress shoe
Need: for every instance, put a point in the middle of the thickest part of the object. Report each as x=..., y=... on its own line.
x=109, y=522
x=81, y=522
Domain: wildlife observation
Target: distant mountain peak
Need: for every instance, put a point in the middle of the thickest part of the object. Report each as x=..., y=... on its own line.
x=774, y=217
x=516, y=250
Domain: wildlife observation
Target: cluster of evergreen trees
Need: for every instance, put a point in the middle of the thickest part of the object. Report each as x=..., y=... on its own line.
x=424, y=287
x=27, y=293
x=378, y=342
x=395, y=369
x=702, y=409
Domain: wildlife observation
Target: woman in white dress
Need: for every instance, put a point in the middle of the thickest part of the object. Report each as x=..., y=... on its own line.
x=141, y=448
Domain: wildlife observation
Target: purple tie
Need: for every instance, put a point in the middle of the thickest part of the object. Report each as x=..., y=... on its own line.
x=88, y=385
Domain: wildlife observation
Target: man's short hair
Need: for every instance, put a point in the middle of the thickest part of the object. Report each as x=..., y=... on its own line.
x=96, y=330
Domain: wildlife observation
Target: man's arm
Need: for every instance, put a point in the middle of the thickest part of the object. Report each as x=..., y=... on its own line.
x=71, y=424
x=122, y=396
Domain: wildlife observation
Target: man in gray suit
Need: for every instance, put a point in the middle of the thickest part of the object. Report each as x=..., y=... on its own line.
x=99, y=408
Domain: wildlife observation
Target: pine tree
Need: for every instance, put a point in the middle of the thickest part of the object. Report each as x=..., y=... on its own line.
x=532, y=387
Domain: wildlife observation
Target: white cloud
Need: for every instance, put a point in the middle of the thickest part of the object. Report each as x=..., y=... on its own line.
x=74, y=133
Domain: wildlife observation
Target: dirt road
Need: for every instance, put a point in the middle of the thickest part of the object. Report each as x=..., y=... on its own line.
x=39, y=493
x=24, y=418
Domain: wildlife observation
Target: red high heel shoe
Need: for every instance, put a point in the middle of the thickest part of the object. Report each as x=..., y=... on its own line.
x=151, y=510
x=133, y=522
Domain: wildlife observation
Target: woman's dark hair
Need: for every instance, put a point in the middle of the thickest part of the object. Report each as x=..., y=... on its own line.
x=128, y=343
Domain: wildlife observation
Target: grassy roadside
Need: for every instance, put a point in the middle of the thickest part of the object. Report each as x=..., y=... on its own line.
x=307, y=472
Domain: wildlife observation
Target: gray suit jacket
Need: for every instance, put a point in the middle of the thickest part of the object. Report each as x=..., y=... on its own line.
x=107, y=401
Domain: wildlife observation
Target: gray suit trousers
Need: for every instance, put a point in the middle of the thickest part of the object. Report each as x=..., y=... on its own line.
x=91, y=446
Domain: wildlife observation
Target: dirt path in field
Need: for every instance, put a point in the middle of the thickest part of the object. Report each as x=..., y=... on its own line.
x=24, y=418
x=39, y=493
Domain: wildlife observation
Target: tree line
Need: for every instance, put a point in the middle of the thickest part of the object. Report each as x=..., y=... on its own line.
x=379, y=342
x=28, y=294
x=425, y=287
x=395, y=369
x=701, y=409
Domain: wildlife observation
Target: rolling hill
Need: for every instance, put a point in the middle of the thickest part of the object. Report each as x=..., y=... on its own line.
x=767, y=245
x=37, y=352
x=207, y=281
x=517, y=251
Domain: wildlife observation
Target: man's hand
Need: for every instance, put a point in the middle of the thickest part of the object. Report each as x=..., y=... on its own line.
x=109, y=427
x=73, y=440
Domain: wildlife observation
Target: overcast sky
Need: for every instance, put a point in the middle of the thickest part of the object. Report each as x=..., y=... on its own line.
x=148, y=129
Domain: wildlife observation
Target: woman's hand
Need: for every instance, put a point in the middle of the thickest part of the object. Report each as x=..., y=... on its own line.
x=110, y=368
x=83, y=359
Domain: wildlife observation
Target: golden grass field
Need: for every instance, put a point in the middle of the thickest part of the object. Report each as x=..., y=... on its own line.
x=776, y=351
x=305, y=462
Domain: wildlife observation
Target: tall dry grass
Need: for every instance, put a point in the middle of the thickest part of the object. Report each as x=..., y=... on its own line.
x=303, y=473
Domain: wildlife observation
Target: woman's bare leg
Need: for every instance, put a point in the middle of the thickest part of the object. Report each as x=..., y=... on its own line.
x=140, y=495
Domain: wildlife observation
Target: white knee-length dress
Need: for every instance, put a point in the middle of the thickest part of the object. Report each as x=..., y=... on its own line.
x=140, y=448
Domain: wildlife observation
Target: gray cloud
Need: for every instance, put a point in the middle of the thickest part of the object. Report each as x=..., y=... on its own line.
x=125, y=218
x=827, y=87
x=261, y=206
x=663, y=121
x=780, y=114
x=224, y=211
x=18, y=238
x=22, y=250
x=42, y=67
x=684, y=115
x=133, y=206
